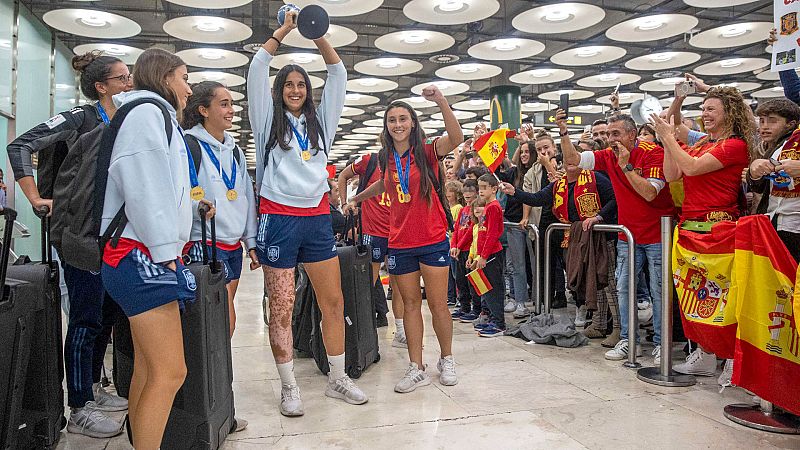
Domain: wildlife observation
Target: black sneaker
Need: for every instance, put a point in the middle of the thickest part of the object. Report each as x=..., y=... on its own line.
x=381, y=320
x=559, y=300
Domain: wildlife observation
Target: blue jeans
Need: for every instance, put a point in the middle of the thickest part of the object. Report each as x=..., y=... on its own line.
x=651, y=254
x=515, y=253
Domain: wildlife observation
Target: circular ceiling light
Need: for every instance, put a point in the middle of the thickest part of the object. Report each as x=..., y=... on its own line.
x=362, y=85
x=460, y=115
x=469, y=71
x=309, y=61
x=537, y=106
x=732, y=35
x=506, y=49
x=414, y=42
x=662, y=60
x=417, y=102
x=661, y=85
x=207, y=29
x=356, y=99
x=388, y=67
x=127, y=54
x=348, y=111
x=472, y=105
x=91, y=23
x=212, y=58
x=341, y=7
x=345, y=121
x=211, y=4
x=337, y=36
x=450, y=12
x=228, y=79
x=558, y=18
x=624, y=98
x=316, y=82
x=652, y=28
x=574, y=94
x=731, y=66
x=541, y=76
x=609, y=80
x=587, y=56
x=446, y=87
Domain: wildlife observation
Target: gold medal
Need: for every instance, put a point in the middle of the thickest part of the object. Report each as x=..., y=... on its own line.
x=232, y=194
x=197, y=193
x=306, y=155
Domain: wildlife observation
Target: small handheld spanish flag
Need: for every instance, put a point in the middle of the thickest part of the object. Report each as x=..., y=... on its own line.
x=492, y=147
x=479, y=281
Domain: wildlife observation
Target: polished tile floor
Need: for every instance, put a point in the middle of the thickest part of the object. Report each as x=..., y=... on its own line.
x=510, y=396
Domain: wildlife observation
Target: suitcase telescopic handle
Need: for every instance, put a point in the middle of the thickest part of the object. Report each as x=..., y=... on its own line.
x=10, y=216
x=43, y=212
x=203, y=209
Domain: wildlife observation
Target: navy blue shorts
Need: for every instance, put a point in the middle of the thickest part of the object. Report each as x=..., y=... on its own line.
x=138, y=284
x=407, y=260
x=380, y=247
x=284, y=241
x=231, y=259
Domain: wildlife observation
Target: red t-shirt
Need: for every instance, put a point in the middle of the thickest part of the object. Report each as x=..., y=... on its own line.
x=489, y=234
x=716, y=191
x=634, y=212
x=270, y=207
x=374, y=210
x=462, y=233
x=414, y=223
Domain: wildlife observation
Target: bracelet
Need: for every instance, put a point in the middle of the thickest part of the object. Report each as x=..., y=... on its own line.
x=276, y=40
x=563, y=134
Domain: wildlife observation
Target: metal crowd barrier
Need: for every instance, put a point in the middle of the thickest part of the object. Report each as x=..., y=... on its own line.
x=664, y=375
x=536, y=269
x=633, y=317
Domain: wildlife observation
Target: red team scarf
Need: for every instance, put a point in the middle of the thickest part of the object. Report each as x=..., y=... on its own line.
x=587, y=199
x=791, y=150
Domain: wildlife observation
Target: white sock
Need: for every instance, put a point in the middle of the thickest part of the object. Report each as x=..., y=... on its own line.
x=286, y=372
x=336, y=364
x=399, y=324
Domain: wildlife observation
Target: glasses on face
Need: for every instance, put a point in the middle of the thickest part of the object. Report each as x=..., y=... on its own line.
x=125, y=79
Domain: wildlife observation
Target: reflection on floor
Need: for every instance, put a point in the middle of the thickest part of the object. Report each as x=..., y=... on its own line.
x=510, y=395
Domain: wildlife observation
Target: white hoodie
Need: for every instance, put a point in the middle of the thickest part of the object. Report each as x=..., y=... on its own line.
x=152, y=178
x=236, y=220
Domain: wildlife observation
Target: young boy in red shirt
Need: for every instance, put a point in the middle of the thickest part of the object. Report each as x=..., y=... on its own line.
x=491, y=257
x=460, y=241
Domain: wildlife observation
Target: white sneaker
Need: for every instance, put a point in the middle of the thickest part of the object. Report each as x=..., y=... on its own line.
x=345, y=389
x=620, y=351
x=645, y=316
x=580, y=316
x=657, y=355
x=413, y=379
x=724, y=379
x=521, y=311
x=106, y=401
x=510, y=306
x=698, y=363
x=291, y=403
x=447, y=371
x=400, y=340
x=644, y=305
x=93, y=422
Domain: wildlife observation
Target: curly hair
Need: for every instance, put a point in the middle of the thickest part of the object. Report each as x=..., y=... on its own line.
x=455, y=187
x=738, y=122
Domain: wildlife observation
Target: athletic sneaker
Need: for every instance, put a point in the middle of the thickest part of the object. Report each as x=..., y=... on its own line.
x=291, y=403
x=580, y=316
x=451, y=302
x=345, y=389
x=698, y=363
x=620, y=351
x=521, y=311
x=467, y=318
x=93, y=422
x=510, y=306
x=644, y=304
x=657, y=355
x=413, y=379
x=239, y=424
x=106, y=401
x=456, y=315
x=447, y=371
x=724, y=379
x=480, y=326
x=400, y=340
x=491, y=331
x=482, y=319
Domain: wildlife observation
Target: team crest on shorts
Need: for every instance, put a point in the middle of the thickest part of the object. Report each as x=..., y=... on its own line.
x=376, y=253
x=392, y=263
x=191, y=282
x=273, y=253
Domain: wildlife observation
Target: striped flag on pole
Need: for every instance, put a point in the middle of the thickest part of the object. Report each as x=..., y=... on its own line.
x=479, y=281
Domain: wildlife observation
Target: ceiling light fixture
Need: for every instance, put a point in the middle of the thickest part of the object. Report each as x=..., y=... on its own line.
x=302, y=58
x=625, y=95
x=94, y=20
x=388, y=63
x=608, y=77
x=468, y=68
x=662, y=57
x=113, y=50
x=209, y=25
x=505, y=45
x=477, y=102
x=672, y=81
x=451, y=5
x=734, y=31
x=540, y=73
x=566, y=91
x=650, y=24
x=212, y=54
x=414, y=38
x=557, y=15
x=353, y=96
x=728, y=63
x=368, y=82
x=587, y=52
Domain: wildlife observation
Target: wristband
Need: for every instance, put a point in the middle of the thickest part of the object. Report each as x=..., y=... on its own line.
x=563, y=134
x=276, y=40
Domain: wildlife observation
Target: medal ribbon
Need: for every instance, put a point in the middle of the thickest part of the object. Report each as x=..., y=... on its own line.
x=403, y=176
x=230, y=183
x=192, y=173
x=301, y=140
x=103, y=114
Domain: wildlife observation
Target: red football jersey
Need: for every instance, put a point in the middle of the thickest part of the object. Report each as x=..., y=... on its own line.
x=716, y=191
x=489, y=234
x=413, y=222
x=374, y=210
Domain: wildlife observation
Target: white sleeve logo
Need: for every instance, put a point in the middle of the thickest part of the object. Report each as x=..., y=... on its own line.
x=55, y=121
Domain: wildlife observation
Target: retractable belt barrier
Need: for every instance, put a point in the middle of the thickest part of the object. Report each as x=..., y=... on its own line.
x=536, y=270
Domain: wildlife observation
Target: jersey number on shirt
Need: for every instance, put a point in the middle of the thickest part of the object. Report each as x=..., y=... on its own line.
x=385, y=200
x=401, y=196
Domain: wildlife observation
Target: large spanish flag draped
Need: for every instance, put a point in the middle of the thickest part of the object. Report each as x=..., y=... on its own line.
x=479, y=281
x=702, y=268
x=767, y=343
x=492, y=147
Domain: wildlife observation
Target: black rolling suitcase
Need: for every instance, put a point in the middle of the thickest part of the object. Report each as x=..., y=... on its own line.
x=361, y=335
x=302, y=323
x=42, y=416
x=122, y=355
x=202, y=414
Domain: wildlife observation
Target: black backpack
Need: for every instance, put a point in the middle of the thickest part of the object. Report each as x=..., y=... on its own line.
x=372, y=165
x=197, y=152
x=50, y=159
x=80, y=191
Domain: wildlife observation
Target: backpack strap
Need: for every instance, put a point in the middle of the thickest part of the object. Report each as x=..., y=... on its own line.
x=117, y=225
x=372, y=166
x=236, y=155
x=195, y=150
x=437, y=186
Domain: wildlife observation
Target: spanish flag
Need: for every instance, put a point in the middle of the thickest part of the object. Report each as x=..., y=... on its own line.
x=492, y=147
x=702, y=271
x=767, y=343
x=479, y=281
